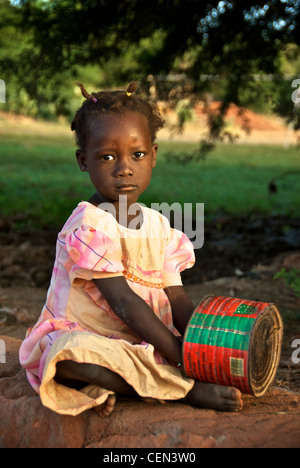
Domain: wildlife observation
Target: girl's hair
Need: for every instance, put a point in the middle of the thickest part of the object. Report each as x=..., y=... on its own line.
x=104, y=102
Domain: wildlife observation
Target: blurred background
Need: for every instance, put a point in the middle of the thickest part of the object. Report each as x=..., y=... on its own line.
x=226, y=76
x=223, y=72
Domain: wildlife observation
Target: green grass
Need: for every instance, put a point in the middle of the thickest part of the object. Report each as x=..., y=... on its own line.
x=233, y=179
x=40, y=182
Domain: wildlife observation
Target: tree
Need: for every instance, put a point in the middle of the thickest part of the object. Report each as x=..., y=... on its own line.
x=232, y=40
x=34, y=87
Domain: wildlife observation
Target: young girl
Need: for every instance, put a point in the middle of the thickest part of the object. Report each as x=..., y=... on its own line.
x=116, y=308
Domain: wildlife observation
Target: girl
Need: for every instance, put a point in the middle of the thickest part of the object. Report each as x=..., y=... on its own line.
x=116, y=307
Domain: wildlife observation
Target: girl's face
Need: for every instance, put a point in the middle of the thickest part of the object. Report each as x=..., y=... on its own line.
x=119, y=156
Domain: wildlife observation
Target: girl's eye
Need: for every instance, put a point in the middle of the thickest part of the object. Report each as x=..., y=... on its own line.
x=139, y=154
x=107, y=157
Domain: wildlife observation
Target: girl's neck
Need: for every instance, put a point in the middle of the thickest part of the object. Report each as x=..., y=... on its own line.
x=129, y=216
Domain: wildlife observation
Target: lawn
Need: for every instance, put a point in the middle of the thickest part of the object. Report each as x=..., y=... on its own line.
x=41, y=182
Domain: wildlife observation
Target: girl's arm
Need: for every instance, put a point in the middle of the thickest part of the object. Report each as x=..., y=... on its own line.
x=182, y=307
x=139, y=317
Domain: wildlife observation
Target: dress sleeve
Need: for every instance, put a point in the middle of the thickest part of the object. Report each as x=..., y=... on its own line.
x=91, y=254
x=179, y=255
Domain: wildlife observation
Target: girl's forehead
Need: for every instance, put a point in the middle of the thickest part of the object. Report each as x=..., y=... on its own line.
x=125, y=125
x=114, y=119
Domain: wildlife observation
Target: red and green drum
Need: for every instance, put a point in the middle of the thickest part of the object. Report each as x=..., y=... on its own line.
x=233, y=342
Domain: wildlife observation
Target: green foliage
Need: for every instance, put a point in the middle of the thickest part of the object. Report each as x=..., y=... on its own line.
x=291, y=277
x=181, y=49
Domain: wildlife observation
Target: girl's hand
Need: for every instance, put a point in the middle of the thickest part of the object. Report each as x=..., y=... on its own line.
x=182, y=307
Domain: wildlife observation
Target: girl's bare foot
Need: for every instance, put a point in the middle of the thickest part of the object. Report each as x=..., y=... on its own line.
x=206, y=395
x=107, y=407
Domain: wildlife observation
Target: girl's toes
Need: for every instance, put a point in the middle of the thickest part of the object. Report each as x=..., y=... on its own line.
x=107, y=407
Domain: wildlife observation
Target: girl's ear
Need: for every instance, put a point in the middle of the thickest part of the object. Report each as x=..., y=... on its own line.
x=81, y=159
x=154, y=154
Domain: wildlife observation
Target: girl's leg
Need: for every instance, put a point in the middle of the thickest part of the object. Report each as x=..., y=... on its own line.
x=77, y=375
x=206, y=395
x=92, y=374
x=203, y=395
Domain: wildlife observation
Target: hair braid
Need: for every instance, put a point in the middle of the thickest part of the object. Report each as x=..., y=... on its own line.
x=131, y=88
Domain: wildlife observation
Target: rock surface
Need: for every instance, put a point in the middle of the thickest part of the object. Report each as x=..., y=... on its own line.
x=271, y=421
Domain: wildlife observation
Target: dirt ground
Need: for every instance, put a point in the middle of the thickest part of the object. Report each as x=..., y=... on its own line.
x=249, y=127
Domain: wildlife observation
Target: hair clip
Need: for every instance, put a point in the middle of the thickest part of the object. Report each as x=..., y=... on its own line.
x=86, y=94
x=93, y=98
x=131, y=89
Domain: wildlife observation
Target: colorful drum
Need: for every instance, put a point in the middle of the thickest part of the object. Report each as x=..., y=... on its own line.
x=233, y=342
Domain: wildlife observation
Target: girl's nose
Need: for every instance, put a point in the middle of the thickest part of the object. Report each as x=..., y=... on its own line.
x=124, y=168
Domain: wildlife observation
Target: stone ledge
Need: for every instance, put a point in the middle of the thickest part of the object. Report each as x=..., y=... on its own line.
x=271, y=421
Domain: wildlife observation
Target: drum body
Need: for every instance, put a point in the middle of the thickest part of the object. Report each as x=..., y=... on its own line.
x=233, y=342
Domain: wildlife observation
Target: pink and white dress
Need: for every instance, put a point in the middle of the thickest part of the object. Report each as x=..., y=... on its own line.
x=76, y=322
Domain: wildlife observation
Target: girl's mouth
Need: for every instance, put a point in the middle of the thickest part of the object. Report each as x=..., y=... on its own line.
x=126, y=188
